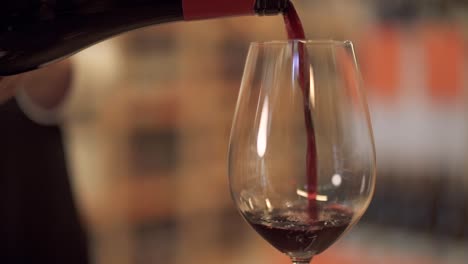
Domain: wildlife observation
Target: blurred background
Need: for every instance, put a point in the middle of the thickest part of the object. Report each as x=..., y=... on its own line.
x=147, y=128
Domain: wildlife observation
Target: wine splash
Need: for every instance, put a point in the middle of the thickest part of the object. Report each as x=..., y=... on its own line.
x=295, y=31
x=294, y=233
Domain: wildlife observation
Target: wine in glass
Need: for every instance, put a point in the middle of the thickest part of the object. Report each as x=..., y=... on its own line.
x=301, y=154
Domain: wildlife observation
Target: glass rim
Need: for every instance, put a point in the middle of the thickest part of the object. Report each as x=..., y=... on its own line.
x=328, y=42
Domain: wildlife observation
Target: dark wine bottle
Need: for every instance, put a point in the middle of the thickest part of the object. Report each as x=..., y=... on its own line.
x=34, y=33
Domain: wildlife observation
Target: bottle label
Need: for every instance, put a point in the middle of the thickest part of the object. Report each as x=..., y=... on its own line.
x=202, y=9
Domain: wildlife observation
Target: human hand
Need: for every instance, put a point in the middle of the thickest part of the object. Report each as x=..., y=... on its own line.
x=39, y=93
x=8, y=87
x=46, y=87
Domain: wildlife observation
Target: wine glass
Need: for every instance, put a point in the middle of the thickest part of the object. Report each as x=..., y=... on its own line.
x=301, y=154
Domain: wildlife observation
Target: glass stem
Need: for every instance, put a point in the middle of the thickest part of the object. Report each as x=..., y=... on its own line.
x=301, y=261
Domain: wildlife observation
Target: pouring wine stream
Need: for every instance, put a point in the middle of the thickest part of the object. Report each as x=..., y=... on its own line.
x=295, y=31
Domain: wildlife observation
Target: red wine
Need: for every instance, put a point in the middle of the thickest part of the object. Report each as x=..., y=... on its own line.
x=296, y=234
x=35, y=32
x=296, y=31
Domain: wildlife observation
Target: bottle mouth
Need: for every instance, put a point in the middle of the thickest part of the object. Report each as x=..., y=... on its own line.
x=271, y=7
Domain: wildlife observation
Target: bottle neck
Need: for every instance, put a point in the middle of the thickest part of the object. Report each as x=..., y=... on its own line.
x=203, y=9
